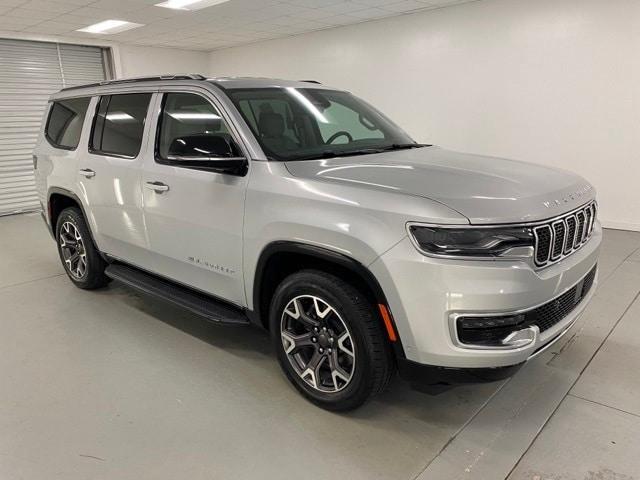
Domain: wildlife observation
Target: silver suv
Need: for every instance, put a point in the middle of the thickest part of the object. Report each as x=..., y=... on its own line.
x=304, y=210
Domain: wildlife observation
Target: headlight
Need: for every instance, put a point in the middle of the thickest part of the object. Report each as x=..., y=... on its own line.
x=472, y=241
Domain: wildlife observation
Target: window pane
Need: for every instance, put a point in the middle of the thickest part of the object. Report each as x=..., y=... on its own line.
x=65, y=122
x=306, y=123
x=192, y=127
x=341, y=118
x=123, y=120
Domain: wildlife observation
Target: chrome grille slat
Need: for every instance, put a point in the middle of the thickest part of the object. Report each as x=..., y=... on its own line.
x=589, y=213
x=579, y=230
x=571, y=233
x=544, y=240
x=557, y=239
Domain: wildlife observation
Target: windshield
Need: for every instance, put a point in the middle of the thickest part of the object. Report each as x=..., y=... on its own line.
x=309, y=123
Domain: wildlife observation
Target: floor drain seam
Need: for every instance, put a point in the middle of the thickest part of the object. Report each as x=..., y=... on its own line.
x=30, y=281
x=603, y=404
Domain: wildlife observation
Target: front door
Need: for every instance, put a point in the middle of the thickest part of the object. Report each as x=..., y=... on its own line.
x=194, y=217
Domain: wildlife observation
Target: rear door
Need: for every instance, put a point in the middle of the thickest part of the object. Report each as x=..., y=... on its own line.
x=194, y=217
x=109, y=175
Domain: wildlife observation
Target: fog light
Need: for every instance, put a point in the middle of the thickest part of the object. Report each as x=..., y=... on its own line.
x=488, y=331
x=489, y=322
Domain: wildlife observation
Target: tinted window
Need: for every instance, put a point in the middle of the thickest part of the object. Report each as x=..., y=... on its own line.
x=190, y=126
x=119, y=124
x=66, y=118
x=309, y=123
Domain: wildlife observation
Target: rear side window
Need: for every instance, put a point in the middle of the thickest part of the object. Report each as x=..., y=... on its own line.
x=64, y=125
x=119, y=124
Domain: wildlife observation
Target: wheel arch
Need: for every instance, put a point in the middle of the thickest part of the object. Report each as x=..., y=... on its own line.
x=57, y=200
x=282, y=258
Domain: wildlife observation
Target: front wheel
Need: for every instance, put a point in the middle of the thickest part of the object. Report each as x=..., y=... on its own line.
x=329, y=340
x=79, y=256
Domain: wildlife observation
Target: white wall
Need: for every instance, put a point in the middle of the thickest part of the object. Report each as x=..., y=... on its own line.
x=137, y=61
x=549, y=81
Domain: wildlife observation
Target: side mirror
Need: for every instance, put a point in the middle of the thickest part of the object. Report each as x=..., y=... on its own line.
x=215, y=153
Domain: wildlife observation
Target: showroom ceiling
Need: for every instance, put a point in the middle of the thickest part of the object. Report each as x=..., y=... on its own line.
x=232, y=22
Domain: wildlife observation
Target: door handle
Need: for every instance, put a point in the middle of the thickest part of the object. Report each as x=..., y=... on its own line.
x=158, y=187
x=87, y=172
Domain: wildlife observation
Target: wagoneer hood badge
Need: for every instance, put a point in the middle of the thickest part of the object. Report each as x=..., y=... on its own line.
x=486, y=190
x=585, y=191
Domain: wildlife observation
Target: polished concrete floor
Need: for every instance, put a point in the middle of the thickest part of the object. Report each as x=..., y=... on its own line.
x=111, y=384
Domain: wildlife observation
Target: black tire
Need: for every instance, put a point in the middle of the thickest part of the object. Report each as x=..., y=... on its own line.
x=372, y=364
x=92, y=276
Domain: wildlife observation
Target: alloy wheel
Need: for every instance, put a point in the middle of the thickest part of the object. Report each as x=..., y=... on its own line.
x=318, y=343
x=73, y=251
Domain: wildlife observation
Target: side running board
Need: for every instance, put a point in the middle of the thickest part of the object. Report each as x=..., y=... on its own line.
x=196, y=302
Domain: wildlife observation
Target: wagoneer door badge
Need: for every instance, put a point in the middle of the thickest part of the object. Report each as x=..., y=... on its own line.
x=211, y=266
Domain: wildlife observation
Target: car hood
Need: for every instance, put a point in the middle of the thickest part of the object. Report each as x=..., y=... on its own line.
x=486, y=190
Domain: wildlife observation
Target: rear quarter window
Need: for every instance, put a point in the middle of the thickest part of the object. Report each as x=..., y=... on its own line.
x=64, y=125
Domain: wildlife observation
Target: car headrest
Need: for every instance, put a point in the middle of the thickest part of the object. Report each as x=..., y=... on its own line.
x=271, y=124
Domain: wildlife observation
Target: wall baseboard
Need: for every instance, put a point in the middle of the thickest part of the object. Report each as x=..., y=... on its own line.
x=633, y=227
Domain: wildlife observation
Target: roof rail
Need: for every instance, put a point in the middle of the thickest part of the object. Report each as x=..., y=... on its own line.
x=311, y=81
x=189, y=76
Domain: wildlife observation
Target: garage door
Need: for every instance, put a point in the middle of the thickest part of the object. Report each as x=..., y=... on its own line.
x=29, y=73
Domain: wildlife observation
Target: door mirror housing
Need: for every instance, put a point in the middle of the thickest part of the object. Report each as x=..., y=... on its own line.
x=229, y=165
x=209, y=152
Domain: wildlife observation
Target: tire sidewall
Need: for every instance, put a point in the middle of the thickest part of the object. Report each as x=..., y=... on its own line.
x=310, y=284
x=94, y=261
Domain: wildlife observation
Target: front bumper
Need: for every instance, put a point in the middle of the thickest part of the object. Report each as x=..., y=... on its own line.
x=426, y=295
x=420, y=374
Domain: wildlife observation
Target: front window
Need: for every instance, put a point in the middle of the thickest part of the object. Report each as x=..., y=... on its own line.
x=190, y=126
x=310, y=123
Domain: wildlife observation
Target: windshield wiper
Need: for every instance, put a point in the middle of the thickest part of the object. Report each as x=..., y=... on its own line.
x=362, y=151
x=332, y=154
x=404, y=146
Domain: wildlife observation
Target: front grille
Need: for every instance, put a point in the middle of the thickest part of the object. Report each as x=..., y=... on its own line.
x=491, y=330
x=563, y=236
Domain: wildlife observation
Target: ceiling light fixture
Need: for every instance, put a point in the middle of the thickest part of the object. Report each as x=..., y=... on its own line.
x=110, y=26
x=189, y=4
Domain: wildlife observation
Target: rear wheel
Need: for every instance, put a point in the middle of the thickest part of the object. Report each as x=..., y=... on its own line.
x=80, y=257
x=329, y=340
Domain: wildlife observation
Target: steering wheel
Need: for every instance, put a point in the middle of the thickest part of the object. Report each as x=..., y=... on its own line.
x=339, y=134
